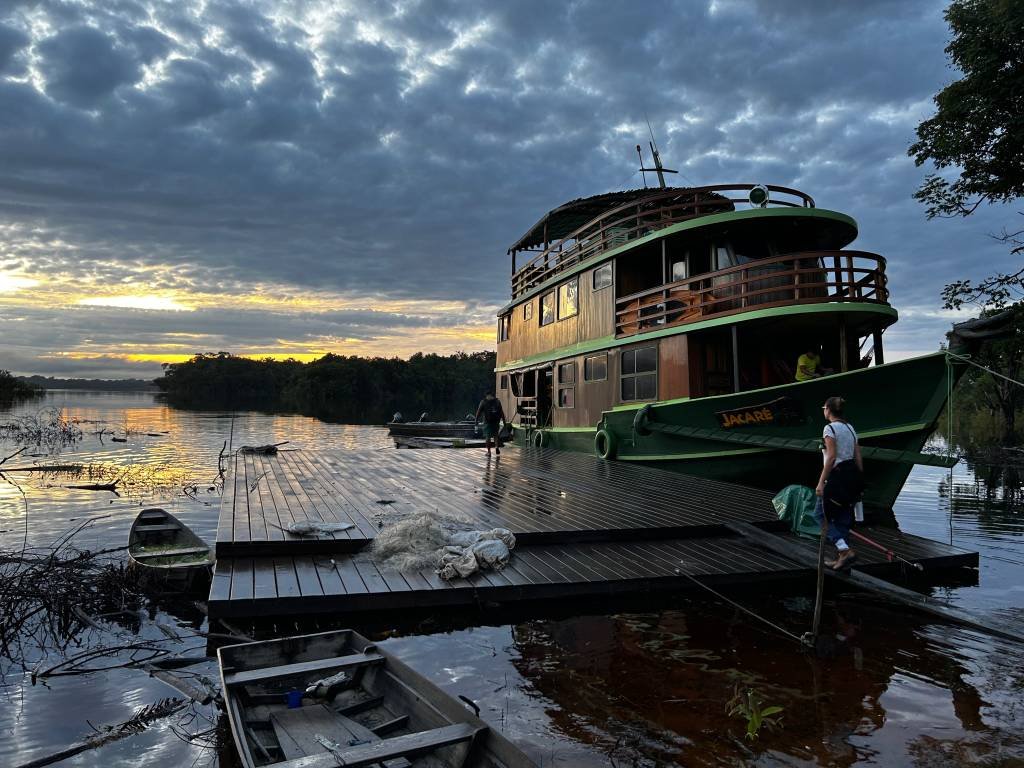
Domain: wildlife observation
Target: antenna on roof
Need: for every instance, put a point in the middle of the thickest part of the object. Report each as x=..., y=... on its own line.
x=658, y=167
x=640, y=152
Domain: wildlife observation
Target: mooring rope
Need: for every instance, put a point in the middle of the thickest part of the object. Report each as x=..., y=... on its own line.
x=982, y=367
x=746, y=610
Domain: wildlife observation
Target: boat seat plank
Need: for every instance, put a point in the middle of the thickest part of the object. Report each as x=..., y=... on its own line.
x=409, y=745
x=297, y=731
x=171, y=552
x=157, y=528
x=301, y=668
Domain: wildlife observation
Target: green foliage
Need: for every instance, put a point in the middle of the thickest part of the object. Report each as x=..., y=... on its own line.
x=748, y=705
x=12, y=388
x=334, y=387
x=978, y=133
x=986, y=407
x=978, y=127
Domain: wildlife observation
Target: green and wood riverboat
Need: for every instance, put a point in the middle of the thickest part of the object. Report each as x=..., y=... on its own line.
x=664, y=325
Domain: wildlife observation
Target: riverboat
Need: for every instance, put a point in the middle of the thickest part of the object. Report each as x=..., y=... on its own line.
x=663, y=325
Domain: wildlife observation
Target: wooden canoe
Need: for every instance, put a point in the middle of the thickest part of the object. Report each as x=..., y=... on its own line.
x=165, y=553
x=368, y=709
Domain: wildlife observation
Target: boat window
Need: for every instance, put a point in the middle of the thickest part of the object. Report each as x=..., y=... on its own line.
x=639, y=377
x=568, y=299
x=566, y=385
x=503, y=381
x=528, y=310
x=603, y=276
x=595, y=367
x=680, y=269
x=722, y=257
x=504, y=324
x=547, y=308
x=567, y=373
x=729, y=256
x=567, y=397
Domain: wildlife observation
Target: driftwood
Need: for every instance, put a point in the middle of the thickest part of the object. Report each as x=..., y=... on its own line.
x=47, y=468
x=138, y=723
x=199, y=689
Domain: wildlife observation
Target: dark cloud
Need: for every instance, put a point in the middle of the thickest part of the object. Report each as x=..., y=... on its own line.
x=82, y=65
x=394, y=150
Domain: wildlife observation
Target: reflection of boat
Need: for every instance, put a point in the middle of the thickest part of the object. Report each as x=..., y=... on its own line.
x=664, y=326
x=165, y=553
x=466, y=428
x=333, y=699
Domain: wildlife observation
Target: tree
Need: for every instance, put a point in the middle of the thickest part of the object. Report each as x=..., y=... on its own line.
x=978, y=132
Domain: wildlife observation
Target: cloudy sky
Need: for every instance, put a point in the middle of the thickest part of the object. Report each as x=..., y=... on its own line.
x=293, y=178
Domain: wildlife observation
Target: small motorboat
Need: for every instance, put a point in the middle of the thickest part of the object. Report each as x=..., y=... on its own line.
x=164, y=553
x=335, y=699
x=466, y=429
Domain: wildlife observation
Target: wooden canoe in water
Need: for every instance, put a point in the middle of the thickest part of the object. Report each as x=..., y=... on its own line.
x=333, y=699
x=165, y=553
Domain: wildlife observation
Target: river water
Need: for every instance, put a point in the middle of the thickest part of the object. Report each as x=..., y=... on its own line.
x=627, y=684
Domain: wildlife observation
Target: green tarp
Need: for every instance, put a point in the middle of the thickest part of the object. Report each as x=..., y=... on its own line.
x=795, y=504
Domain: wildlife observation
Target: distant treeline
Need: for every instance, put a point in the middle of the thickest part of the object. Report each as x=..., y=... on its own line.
x=352, y=390
x=103, y=385
x=12, y=388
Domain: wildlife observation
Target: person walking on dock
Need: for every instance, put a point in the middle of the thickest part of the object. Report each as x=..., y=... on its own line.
x=842, y=480
x=493, y=414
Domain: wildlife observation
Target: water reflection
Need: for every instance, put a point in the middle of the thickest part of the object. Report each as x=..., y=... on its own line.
x=637, y=682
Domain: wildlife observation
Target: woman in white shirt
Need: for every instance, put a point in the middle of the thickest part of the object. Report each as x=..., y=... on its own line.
x=841, y=482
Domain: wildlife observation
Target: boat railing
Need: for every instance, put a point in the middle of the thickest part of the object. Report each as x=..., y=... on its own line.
x=809, y=277
x=639, y=218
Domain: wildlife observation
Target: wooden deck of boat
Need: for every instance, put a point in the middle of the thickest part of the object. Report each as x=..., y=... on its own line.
x=584, y=528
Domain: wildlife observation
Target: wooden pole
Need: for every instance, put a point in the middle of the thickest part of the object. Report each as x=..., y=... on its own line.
x=821, y=583
x=844, y=350
x=735, y=360
x=877, y=343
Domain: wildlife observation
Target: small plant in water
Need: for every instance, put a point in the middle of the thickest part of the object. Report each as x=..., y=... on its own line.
x=747, y=704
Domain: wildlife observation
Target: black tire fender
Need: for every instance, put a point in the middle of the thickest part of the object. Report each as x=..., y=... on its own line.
x=605, y=445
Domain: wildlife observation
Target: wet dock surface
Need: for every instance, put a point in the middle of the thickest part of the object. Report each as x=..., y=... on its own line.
x=584, y=528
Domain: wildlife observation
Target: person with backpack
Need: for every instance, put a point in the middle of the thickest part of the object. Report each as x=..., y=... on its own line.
x=841, y=483
x=493, y=414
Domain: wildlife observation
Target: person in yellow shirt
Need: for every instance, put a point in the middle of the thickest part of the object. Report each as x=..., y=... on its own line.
x=808, y=365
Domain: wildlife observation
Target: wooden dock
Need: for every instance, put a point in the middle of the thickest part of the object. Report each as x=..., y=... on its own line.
x=584, y=527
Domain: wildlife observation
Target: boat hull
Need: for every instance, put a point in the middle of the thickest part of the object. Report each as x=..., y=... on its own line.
x=462, y=429
x=165, y=555
x=893, y=406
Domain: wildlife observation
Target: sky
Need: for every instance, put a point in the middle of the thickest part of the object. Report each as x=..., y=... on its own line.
x=294, y=178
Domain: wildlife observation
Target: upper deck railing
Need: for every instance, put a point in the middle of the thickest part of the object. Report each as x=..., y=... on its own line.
x=638, y=218
x=809, y=277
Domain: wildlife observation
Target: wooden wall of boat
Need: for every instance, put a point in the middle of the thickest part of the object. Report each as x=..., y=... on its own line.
x=595, y=319
x=673, y=367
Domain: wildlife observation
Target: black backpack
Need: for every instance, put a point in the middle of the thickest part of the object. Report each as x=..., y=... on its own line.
x=492, y=410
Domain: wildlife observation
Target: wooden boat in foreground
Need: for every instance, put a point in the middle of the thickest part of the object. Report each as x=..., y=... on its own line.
x=165, y=553
x=334, y=698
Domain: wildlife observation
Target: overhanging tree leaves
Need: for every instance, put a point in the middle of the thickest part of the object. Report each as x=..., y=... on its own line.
x=978, y=132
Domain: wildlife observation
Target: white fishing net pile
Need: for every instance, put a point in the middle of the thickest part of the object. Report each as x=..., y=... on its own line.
x=429, y=541
x=411, y=544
